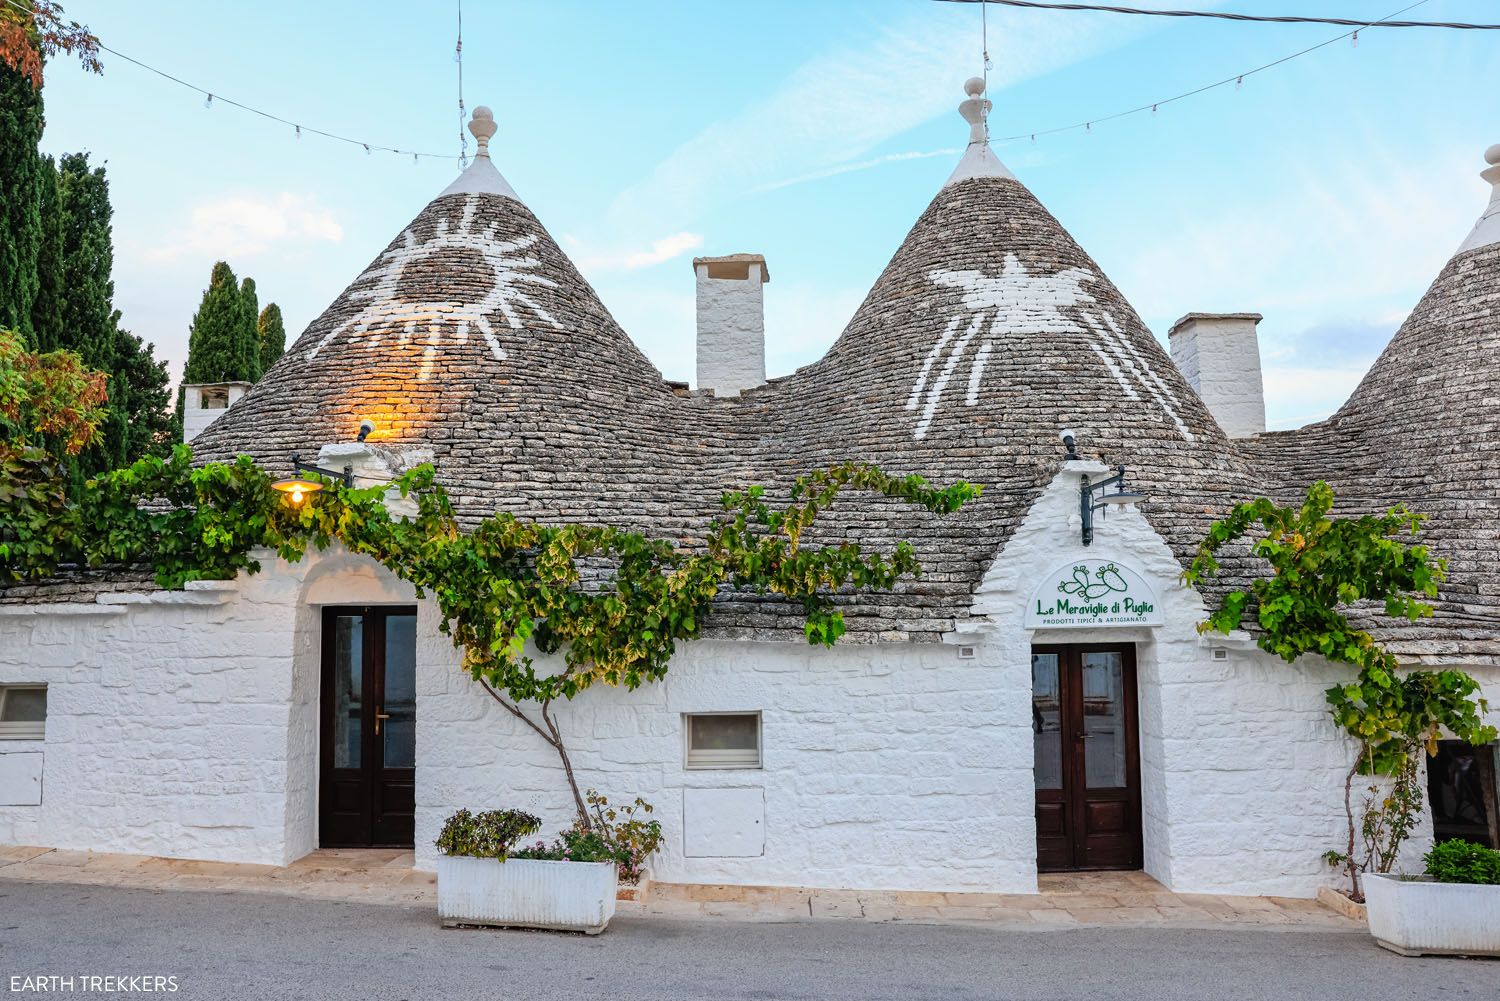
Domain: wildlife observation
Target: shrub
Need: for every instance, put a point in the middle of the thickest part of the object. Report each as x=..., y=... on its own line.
x=491, y=834
x=1463, y=862
x=628, y=843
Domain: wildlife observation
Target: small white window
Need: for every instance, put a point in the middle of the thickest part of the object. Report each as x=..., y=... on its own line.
x=23, y=712
x=723, y=740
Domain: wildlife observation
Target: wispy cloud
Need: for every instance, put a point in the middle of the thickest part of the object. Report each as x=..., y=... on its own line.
x=246, y=224
x=849, y=168
x=659, y=252
x=834, y=109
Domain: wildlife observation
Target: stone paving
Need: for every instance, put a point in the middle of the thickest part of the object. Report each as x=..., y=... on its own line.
x=386, y=876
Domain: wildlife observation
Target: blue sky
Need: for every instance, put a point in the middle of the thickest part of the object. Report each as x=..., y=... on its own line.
x=1325, y=193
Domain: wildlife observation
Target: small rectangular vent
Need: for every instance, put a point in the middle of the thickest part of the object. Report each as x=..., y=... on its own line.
x=1220, y=653
x=966, y=653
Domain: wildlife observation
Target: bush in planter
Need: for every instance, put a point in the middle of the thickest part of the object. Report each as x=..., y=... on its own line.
x=491, y=834
x=627, y=842
x=1463, y=862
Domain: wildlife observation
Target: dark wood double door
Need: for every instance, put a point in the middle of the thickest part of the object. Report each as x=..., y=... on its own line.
x=1088, y=799
x=367, y=783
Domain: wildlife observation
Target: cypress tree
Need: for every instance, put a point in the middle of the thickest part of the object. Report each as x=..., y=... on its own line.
x=86, y=299
x=47, y=308
x=88, y=292
x=214, y=353
x=272, y=336
x=20, y=208
x=249, y=331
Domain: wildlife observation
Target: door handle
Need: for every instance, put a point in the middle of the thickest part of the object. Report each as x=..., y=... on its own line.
x=378, y=717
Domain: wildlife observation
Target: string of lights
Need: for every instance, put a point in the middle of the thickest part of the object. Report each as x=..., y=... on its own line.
x=1087, y=125
x=298, y=128
x=1228, y=16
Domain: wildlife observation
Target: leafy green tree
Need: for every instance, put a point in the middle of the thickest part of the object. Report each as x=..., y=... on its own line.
x=51, y=406
x=29, y=33
x=249, y=331
x=149, y=425
x=214, y=342
x=20, y=199
x=272, y=336
x=87, y=261
x=1321, y=566
x=47, y=309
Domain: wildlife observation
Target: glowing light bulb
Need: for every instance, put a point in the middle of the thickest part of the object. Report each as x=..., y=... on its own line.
x=297, y=496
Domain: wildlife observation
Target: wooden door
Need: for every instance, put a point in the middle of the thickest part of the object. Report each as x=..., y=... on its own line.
x=1083, y=715
x=366, y=793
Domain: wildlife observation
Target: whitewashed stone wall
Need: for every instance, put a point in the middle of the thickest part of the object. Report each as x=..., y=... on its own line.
x=186, y=725
x=885, y=767
x=1241, y=768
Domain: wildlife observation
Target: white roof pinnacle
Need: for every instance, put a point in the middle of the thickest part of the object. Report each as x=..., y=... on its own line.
x=978, y=160
x=481, y=177
x=1487, y=229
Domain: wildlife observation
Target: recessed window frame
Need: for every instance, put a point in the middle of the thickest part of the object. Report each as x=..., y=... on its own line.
x=23, y=729
x=721, y=760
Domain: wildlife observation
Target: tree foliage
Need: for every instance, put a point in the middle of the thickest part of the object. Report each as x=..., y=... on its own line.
x=29, y=36
x=272, y=336
x=47, y=324
x=21, y=172
x=50, y=409
x=214, y=341
x=248, y=332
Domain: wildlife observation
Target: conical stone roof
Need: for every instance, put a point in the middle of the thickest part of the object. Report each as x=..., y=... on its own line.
x=474, y=336
x=989, y=332
x=1423, y=429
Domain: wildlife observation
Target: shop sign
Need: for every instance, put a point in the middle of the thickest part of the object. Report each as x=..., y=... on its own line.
x=1090, y=593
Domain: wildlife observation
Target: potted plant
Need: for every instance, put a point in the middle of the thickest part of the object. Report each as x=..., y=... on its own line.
x=1454, y=909
x=480, y=883
x=568, y=885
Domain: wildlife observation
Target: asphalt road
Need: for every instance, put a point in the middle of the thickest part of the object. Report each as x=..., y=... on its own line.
x=242, y=946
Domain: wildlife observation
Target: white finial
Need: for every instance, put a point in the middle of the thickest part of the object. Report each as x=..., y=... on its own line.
x=481, y=177
x=482, y=126
x=1487, y=230
x=978, y=160
x=976, y=110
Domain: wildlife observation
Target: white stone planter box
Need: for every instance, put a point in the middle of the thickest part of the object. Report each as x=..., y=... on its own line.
x=526, y=893
x=1419, y=915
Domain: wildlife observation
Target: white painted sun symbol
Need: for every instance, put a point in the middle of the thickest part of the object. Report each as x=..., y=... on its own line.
x=390, y=309
x=1021, y=303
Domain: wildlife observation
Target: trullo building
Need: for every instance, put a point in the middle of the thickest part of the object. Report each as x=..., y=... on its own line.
x=1039, y=699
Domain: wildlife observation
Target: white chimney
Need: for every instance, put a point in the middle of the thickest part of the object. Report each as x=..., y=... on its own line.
x=731, y=322
x=1219, y=355
x=204, y=403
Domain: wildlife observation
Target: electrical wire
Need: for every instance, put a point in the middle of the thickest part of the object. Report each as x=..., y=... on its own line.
x=1228, y=16
x=458, y=57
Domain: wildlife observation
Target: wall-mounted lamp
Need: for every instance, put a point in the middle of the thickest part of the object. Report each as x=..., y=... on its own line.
x=1070, y=442
x=1097, y=497
x=298, y=487
x=365, y=427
